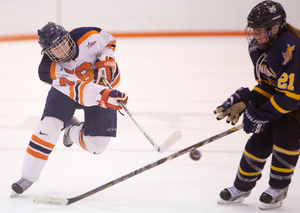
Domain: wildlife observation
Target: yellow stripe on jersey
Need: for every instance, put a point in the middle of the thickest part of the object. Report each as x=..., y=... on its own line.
x=284, y=151
x=248, y=173
x=52, y=71
x=268, y=82
x=85, y=36
x=282, y=169
x=255, y=158
x=264, y=93
x=275, y=105
x=290, y=94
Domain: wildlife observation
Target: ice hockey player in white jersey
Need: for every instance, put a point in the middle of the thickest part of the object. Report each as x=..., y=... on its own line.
x=72, y=63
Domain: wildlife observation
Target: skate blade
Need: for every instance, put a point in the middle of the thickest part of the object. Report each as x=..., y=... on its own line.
x=265, y=206
x=236, y=201
x=14, y=194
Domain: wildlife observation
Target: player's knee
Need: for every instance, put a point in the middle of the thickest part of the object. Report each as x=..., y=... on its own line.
x=97, y=144
x=49, y=129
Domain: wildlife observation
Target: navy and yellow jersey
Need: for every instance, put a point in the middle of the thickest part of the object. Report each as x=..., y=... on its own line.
x=75, y=78
x=277, y=72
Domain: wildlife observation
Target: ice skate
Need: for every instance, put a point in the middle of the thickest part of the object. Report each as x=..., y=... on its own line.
x=232, y=195
x=20, y=186
x=272, y=198
x=67, y=139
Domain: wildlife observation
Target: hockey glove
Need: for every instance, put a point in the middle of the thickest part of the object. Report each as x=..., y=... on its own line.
x=111, y=98
x=234, y=106
x=255, y=120
x=104, y=68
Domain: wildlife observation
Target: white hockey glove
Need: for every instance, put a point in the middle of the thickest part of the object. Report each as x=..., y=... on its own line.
x=111, y=98
x=104, y=68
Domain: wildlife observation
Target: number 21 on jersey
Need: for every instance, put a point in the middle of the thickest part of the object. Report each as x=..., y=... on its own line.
x=286, y=81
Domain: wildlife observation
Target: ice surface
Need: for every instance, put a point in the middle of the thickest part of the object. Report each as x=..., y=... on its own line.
x=173, y=84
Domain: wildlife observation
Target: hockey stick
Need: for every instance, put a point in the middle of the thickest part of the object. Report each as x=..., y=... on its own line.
x=47, y=200
x=167, y=144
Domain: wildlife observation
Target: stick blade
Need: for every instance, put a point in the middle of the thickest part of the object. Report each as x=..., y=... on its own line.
x=170, y=141
x=47, y=200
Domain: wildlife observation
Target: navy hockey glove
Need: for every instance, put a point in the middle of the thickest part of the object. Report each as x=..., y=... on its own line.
x=234, y=106
x=255, y=120
x=111, y=98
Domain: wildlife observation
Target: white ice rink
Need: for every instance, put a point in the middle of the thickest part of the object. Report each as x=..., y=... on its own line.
x=173, y=84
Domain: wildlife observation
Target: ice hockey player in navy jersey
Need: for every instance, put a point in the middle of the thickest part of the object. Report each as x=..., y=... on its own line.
x=271, y=110
x=74, y=64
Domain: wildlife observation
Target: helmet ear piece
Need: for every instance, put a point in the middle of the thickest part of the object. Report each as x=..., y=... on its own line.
x=275, y=29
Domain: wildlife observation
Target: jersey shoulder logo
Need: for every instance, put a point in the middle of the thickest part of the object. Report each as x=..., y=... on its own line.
x=287, y=56
x=91, y=44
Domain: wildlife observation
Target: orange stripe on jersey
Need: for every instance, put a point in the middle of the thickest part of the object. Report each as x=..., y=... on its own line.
x=72, y=93
x=52, y=71
x=112, y=45
x=82, y=86
x=116, y=81
x=68, y=71
x=42, y=142
x=36, y=154
x=85, y=36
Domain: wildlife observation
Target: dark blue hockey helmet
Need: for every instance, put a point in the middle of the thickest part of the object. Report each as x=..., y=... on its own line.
x=51, y=36
x=266, y=15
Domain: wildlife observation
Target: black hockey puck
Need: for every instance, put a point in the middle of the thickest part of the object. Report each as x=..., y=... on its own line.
x=195, y=155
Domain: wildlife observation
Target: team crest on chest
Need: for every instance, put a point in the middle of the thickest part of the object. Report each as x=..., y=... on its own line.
x=268, y=71
x=262, y=66
x=287, y=56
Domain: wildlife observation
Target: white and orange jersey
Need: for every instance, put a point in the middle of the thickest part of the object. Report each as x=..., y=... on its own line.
x=76, y=77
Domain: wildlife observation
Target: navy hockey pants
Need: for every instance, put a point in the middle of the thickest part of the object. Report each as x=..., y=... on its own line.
x=98, y=121
x=282, y=141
